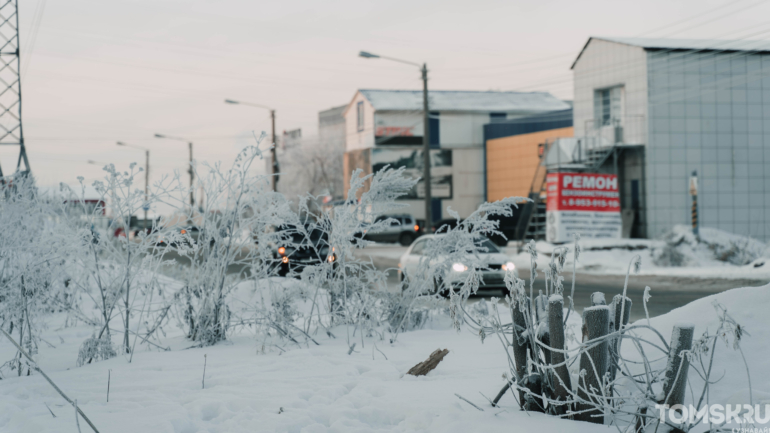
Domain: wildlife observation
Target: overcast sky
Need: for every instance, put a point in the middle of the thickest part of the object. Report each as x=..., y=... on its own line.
x=101, y=71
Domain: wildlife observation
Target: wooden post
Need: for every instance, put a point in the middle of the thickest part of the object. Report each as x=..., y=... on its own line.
x=675, y=381
x=519, y=343
x=593, y=361
x=617, y=306
x=559, y=375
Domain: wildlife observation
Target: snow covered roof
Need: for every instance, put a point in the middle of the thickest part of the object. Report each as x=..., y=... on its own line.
x=684, y=44
x=464, y=100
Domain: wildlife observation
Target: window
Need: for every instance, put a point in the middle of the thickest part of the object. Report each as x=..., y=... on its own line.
x=607, y=106
x=360, y=115
x=418, y=248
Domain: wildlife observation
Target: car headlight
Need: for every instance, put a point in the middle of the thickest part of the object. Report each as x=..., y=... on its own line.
x=459, y=267
x=509, y=266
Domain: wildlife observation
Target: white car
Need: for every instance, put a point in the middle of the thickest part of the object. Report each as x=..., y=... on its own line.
x=493, y=272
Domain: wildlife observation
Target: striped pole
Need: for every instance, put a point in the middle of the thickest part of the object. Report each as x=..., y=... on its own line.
x=694, y=194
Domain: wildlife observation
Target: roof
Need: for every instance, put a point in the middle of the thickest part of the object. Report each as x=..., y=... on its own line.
x=683, y=44
x=464, y=100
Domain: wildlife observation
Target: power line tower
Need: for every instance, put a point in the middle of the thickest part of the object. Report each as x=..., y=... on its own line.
x=11, y=133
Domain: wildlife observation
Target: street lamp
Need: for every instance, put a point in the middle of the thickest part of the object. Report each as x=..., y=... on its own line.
x=189, y=170
x=146, y=205
x=425, y=134
x=274, y=162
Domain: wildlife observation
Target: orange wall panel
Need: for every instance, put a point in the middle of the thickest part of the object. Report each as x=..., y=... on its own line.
x=512, y=162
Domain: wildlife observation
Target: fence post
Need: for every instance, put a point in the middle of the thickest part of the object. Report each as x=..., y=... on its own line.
x=520, y=344
x=617, y=306
x=675, y=381
x=596, y=322
x=560, y=374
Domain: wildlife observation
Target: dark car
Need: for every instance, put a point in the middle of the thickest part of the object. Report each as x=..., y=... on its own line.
x=403, y=229
x=301, y=248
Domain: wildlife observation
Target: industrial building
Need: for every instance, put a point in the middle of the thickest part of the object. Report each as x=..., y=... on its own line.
x=386, y=127
x=654, y=113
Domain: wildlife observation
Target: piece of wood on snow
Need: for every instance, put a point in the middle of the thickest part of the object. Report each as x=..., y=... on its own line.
x=429, y=364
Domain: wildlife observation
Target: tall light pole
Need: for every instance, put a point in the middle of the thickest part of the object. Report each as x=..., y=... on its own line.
x=274, y=157
x=146, y=205
x=189, y=170
x=425, y=134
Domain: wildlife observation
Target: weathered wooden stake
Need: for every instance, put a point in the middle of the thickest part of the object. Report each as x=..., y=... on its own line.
x=560, y=375
x=617, y=307
x=675, y=381
x=520, y=344
x=596, y=321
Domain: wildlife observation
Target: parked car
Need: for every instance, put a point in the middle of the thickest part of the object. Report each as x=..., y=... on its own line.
x=403, y=229
x=494, y=264
x=299, y=251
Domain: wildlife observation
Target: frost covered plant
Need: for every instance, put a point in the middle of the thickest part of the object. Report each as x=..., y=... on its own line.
x=226, y=240
x=95, y=349
x=116, y=264
x=592, y=379
x=349, y=289
x=464, y=244
x=32, y=272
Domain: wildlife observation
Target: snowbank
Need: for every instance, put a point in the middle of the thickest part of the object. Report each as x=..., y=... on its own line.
x=714, y=254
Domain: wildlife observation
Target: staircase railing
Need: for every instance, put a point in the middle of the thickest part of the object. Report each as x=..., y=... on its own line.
x=535, y=189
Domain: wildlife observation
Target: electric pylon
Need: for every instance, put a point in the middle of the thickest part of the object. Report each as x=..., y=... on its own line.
x=11, y=133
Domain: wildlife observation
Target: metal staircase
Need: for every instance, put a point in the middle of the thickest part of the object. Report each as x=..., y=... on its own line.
x=532, y=219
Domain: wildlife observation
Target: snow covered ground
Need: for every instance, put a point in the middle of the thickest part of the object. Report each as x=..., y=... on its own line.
x=318, y=388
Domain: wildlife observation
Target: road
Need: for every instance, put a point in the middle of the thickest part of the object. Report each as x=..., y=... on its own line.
x=668, y=293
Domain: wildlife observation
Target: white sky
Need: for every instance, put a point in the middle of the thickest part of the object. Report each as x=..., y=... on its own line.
x=102, y=71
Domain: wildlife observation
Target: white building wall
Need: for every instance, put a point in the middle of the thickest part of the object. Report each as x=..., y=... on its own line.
x=606, y=64
x=355, y=139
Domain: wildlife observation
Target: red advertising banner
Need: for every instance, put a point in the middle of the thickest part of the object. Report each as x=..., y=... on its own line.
x=582, y=192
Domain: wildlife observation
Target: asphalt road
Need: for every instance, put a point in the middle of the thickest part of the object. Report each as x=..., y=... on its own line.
x=667, y=293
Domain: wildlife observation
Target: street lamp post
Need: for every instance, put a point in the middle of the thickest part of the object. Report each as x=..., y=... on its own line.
x=273, y=155
x=190, y=169
x=425, y=134
x=146, y=204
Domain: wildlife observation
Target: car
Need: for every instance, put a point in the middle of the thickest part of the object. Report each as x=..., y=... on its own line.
x=495, y=264
x=298, y=250
x=403, y=229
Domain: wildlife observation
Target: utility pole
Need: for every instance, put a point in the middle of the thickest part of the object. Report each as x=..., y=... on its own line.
x=273, y=155
x=274, y=162
x=192, y=178
x=146, y=205
x=426, y=151
x=10, y=85
x=425, y=135
x=189, y=170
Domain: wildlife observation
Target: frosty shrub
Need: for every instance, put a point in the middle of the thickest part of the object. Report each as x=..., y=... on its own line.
x=33, y=280
x=553, y=370
x=113, y=266
x=95, y=349
x=683, y=248
x=351, y=291
x=224, y=241
x=462, y=243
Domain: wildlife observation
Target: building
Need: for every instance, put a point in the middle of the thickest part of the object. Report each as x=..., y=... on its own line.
x=386, y=127
x=670, y=108
x=513, y=149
